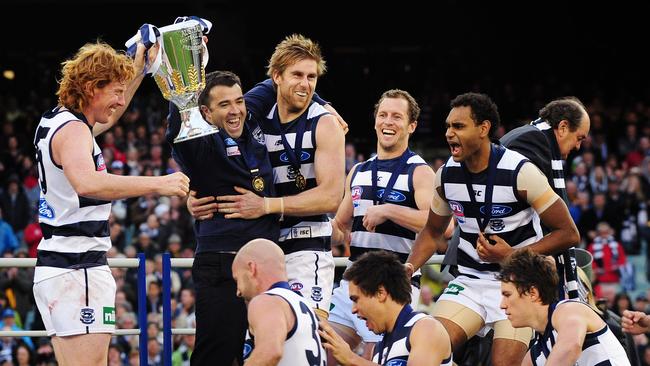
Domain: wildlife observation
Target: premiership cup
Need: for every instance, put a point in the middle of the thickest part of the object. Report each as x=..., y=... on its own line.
x=181, y=76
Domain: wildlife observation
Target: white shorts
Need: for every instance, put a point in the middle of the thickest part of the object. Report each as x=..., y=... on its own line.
x=73, y=303
x=481, y=296
x=341, y=311
x=312, y=274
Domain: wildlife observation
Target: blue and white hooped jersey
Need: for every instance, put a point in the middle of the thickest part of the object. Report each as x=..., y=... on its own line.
x=302, y=346
x=395, y=347
x=512, y=218
x=388, y=235
x=306, y=232
x=600, y=348
x=70, y=223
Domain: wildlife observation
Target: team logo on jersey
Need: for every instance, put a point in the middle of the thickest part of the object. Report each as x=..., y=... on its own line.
x=44, y=210
x=497, y=210
x=458, y=211
x=393, y=196
x=296, y=286
x=87, y=315
x=316, y=293
x=303, y=157
x=497, y=225
x=355, y=193
x=258, y=135
x=99, y=162
x=292, y=172
x=230, y=142
x=396, y=362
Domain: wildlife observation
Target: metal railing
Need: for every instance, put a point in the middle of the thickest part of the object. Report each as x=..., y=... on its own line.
x=141, y=331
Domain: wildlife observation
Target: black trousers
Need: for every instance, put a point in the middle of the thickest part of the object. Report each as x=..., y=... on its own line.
x=221, y=321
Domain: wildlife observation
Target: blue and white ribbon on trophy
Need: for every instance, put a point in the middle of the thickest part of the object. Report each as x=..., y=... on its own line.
x=148, y=35
x=205, y=24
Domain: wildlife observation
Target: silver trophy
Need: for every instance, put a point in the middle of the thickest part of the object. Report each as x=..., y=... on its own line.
x=181, y=75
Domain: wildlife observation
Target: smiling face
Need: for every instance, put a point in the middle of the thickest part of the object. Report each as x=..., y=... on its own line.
x=366, y=308
x=296, y=84
x=226, y=109
x=392, y=125
x=463, y=135
x=105, y=102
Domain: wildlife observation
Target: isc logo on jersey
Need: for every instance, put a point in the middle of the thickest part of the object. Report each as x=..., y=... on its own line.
x=458, y=211
x=356, y=192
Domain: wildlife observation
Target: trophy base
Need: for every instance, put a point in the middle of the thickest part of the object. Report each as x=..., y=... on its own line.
x=193, y=125
x=194, y=133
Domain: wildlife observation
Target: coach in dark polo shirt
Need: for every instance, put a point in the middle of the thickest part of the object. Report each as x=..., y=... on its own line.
x=216, y=164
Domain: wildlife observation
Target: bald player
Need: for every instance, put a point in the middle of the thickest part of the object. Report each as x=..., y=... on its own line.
x=282, y=326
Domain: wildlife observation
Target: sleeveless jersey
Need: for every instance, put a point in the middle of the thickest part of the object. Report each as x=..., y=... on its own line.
x=395, y=347
x=512, y=218
x=302, y=346
x=388, y=235
x=71, y=224
x=306, y=232
x=600, y=348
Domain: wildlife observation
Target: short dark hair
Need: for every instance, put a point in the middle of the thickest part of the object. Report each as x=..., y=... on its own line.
x=380, y=268
x=413, y=107
x=570, y=109
x=216, y=78
x=483, y=108
x=526, y=269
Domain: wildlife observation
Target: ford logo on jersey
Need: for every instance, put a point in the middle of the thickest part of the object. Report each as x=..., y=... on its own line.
x=304, y=156
x=497, y=210
x=44, y=210
x=393, y=196
x=397, y=362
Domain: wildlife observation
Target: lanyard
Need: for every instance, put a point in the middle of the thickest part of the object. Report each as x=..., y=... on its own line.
x=496, y=152
x=293, y=154
x=391, y=181
x=402, y=318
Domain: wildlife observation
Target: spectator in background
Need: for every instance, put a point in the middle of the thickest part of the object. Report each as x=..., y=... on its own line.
x=8, y=240
x=16, y=283
x=23, y=355
x=609, y=258
x=32, y=235
x=350, y=157
x=15, y=206
x=628, y=142
x=9, y=323
x=622, y=302
x=599, y=212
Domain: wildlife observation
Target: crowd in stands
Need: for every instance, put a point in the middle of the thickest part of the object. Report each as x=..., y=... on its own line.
x=608, y=183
